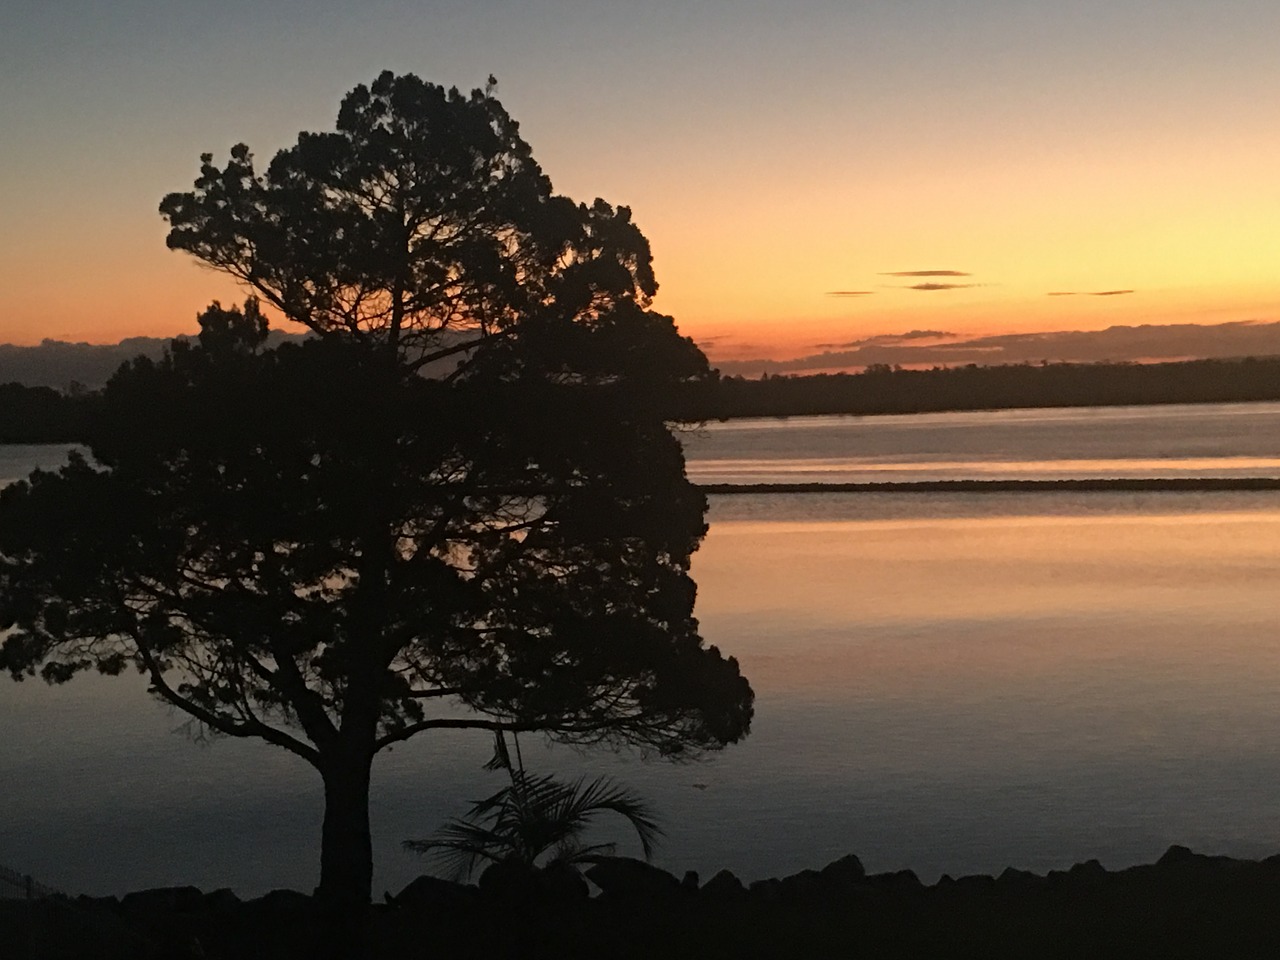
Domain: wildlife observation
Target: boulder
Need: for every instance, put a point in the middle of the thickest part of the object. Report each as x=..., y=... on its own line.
x=805, y=886
x=1181, y=858
x=625, y=878
x=1178, y=854
x=563, y=884
x=899, y=881
x=847, y=870
x=975, y=883
x=427, y=892
x=511, y=880
x=221, y=899
x=767, y=889
x=163, y=900
x=54, y=929
x=723, y=886
x=1013, y=877
x=1091, y=871
x=284, y=902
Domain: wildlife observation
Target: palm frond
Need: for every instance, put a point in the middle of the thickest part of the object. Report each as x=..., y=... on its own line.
x=533, y=817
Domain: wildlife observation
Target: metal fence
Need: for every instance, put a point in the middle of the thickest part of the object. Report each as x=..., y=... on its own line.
x=21, y=886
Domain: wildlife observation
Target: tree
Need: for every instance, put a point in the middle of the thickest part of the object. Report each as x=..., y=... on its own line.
x=316, y=545
x=422, y=222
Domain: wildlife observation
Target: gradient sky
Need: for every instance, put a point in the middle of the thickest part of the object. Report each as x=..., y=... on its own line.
x=773, y=153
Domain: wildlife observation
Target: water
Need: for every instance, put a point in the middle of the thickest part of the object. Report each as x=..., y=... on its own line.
x=950, y=683
x=1221, y=440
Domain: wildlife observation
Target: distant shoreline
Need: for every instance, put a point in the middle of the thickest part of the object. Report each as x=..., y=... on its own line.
x=1186, y=484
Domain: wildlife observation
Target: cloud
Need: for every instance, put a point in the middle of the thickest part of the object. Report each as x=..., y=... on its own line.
x=888, y=338
x=850, y=293
x=1149, y=342
x=926, y=273
x=56, y=363
x=941, y=286
x=1090, y=293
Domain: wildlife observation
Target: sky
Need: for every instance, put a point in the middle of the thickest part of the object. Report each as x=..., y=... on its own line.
x=810, y=174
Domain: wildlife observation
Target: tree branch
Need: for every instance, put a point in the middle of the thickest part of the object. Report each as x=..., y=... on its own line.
x=216, y=720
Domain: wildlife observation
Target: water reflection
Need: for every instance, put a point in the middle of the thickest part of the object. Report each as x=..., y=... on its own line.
x=869, y=470
x=946, y=682
x=1217, y=440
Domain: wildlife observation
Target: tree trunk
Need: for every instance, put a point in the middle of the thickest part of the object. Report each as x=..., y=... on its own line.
x=346, y=849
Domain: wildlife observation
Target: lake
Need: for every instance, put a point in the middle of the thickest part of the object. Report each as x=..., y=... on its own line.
x=946, y=682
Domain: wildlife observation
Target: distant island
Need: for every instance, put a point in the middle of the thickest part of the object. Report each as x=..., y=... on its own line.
x=42, y=414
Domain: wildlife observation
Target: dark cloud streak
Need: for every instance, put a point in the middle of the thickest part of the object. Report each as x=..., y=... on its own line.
x=1089, y=293
x=888, y=338
x=926, y=273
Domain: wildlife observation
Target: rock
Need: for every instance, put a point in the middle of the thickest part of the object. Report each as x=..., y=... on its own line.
x=510, y=880
x=975, y=883
x=625, y=878
x=690, y=881
x=723, y=886
x=807, y=885
x=54, y=929
x=221, y=899
x=1090, y=870
x=1181, y=858
x=848, y=869
x=283, y=902
x=768, y=889
x=1177, y=854
x=428, y=892
x=1011, y=876
x=901, y=881
x=163, y=900
x=563, y=884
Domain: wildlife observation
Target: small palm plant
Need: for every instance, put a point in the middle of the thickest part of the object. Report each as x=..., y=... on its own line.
x=535, y=821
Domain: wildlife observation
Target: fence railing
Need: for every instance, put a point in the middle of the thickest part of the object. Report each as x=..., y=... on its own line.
x=15, y=885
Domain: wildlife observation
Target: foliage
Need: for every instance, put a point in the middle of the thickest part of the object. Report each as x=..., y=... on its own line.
x=43, y=415
x=268, y=545
x=422, y=221
x=317, y=546
x=535, y=821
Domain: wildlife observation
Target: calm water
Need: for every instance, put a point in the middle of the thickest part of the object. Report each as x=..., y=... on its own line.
x=950, y=683
x=1222, y=440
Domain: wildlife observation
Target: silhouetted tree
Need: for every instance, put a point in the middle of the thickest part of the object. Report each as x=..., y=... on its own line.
x=422, y=222
x=319, y=547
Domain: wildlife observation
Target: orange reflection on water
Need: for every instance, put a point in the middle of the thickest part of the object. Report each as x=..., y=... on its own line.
x=1014, y=606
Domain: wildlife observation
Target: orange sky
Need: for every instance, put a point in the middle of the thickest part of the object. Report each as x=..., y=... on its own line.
x=773, y=156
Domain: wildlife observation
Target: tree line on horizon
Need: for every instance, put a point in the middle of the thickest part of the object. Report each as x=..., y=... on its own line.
x=881, y=389
x=44, y=415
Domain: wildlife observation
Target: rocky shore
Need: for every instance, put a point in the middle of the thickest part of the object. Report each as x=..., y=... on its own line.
x=1185, y=905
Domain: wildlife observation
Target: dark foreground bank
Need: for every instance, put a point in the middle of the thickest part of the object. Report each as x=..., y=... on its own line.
x=1185, y=905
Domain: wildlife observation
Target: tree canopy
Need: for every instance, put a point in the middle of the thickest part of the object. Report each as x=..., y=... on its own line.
x=422, y=214
x=318, y=546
